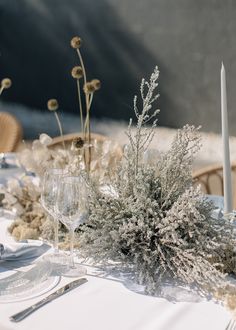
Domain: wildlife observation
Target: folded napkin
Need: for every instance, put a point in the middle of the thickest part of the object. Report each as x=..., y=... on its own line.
x=23, y=250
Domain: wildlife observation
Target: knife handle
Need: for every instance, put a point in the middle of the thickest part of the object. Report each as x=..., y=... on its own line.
x=22, y=314
x=66, y=288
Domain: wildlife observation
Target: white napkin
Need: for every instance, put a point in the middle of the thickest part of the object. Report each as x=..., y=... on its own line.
x=22, y=250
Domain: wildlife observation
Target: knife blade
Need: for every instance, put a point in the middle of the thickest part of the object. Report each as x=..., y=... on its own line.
x=66, y=288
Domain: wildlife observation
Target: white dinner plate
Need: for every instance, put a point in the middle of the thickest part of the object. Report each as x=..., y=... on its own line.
x=33, y=292
x=19, y=285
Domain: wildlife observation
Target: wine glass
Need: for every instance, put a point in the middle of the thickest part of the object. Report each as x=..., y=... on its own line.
x=71, y=205
x=48, y=201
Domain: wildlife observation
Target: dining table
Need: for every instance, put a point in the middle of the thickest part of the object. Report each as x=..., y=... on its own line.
x=111, y=299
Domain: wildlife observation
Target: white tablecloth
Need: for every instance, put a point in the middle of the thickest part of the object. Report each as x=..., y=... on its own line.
x=110, y=304
x=107, y=303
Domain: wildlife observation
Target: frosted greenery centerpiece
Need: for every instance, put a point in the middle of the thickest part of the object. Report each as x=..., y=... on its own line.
x=152, y=218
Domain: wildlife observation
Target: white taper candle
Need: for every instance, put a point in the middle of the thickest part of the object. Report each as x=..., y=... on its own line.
x=225, y=139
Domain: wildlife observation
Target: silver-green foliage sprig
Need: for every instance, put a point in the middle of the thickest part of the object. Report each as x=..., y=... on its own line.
x=175, y=166
x=142, y=137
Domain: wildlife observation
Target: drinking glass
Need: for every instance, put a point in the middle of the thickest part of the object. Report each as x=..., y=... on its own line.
x=71, y=205
x=48, y=201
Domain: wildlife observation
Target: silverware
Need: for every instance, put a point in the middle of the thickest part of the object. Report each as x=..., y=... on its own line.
x=231, y=325
x=68, y=287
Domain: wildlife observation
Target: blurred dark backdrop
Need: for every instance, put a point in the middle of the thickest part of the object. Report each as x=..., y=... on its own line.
x=122, y=42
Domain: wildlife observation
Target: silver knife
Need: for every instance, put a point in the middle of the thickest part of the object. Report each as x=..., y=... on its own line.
x=68, y=287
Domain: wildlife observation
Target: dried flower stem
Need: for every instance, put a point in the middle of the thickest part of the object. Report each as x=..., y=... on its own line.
x=80, y=106
x=82, y=65
x=1, y=90
x=87, y=120
x=86, y=127
x=87, y=100
x=89, y=88
x=60, y=129
x=85, y=82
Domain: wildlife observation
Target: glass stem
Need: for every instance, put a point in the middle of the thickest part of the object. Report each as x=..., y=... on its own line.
x=55, y=245
x=72, y=263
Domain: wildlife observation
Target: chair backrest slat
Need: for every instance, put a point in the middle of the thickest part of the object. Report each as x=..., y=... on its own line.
x=10, y=132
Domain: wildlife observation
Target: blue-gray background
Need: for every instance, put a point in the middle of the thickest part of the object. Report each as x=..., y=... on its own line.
x=122, y=42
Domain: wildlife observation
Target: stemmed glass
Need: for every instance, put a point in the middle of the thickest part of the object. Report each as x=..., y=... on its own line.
x=48, y=201
x=71, y=205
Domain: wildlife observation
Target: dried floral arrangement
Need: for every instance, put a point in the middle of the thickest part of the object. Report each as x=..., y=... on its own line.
x=82, y=153
x=41, y=156
x=22, y=198
x=86, y=92
x=152, y=218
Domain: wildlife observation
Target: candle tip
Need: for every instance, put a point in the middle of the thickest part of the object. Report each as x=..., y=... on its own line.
x=222, y=65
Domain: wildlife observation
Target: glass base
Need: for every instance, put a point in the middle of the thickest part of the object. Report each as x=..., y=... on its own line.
x=75, y=271
x=59, y=262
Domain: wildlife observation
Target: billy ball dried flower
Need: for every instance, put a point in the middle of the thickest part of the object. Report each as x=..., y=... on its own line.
x=89, y=88
x=96, y=84
x=78, y=143
x=77, y=72
x=6, y=83
x=76, y=42
x=52, y=105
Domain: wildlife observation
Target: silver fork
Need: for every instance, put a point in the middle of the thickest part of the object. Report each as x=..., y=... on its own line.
x=231, y=325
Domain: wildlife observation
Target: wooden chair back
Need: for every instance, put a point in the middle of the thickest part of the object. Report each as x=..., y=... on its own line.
x=10, y=132
x=211, y=181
